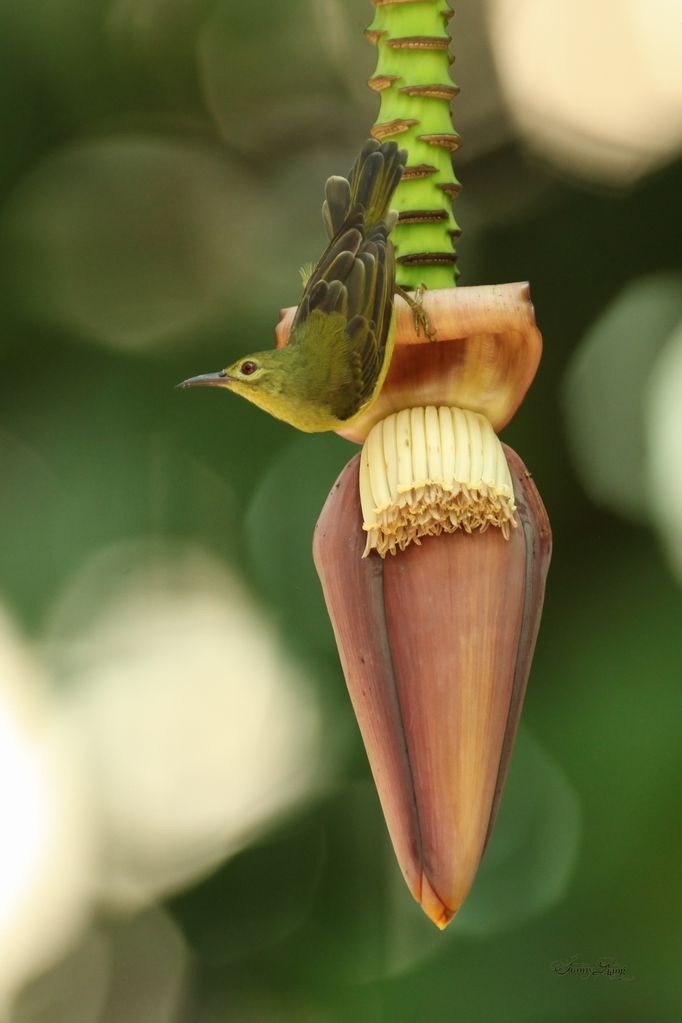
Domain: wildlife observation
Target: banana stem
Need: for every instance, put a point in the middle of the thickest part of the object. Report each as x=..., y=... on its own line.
x=413, y=81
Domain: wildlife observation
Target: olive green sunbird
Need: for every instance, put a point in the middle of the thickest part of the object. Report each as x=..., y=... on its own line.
x=342, y=335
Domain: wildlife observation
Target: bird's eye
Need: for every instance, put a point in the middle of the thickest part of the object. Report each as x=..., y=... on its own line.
x=248, y=367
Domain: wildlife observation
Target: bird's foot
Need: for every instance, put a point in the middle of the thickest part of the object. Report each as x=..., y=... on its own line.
x=415, y=301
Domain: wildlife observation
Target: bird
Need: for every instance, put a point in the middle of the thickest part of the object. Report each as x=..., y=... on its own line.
x=342, y=335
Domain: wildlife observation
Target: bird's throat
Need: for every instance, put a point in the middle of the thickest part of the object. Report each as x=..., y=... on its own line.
x=275, y=398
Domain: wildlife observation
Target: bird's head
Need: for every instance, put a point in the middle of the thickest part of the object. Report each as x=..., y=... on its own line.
x=247, y=373
x=268, y=379
x=249, y=376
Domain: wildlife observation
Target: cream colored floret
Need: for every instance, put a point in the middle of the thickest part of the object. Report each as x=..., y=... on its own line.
x=426, y=471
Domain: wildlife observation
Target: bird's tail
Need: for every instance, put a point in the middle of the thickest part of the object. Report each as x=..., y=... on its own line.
x=371, y=183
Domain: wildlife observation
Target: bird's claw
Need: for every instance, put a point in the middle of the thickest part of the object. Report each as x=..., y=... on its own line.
x=422, y=323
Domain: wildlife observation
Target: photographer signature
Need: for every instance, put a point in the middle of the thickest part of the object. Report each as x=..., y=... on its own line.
x=606, y=967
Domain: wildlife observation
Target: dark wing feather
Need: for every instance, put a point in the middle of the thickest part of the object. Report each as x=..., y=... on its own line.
x=336, y=205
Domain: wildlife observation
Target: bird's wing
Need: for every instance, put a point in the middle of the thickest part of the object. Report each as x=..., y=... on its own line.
x=345, y=312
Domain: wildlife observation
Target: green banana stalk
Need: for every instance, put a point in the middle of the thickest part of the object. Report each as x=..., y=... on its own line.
x=412, y=79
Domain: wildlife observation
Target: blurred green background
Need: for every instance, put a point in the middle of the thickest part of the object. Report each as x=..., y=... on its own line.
x=161, y=174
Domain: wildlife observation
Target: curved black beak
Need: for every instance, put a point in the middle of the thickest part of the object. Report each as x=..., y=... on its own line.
x=205, y=380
